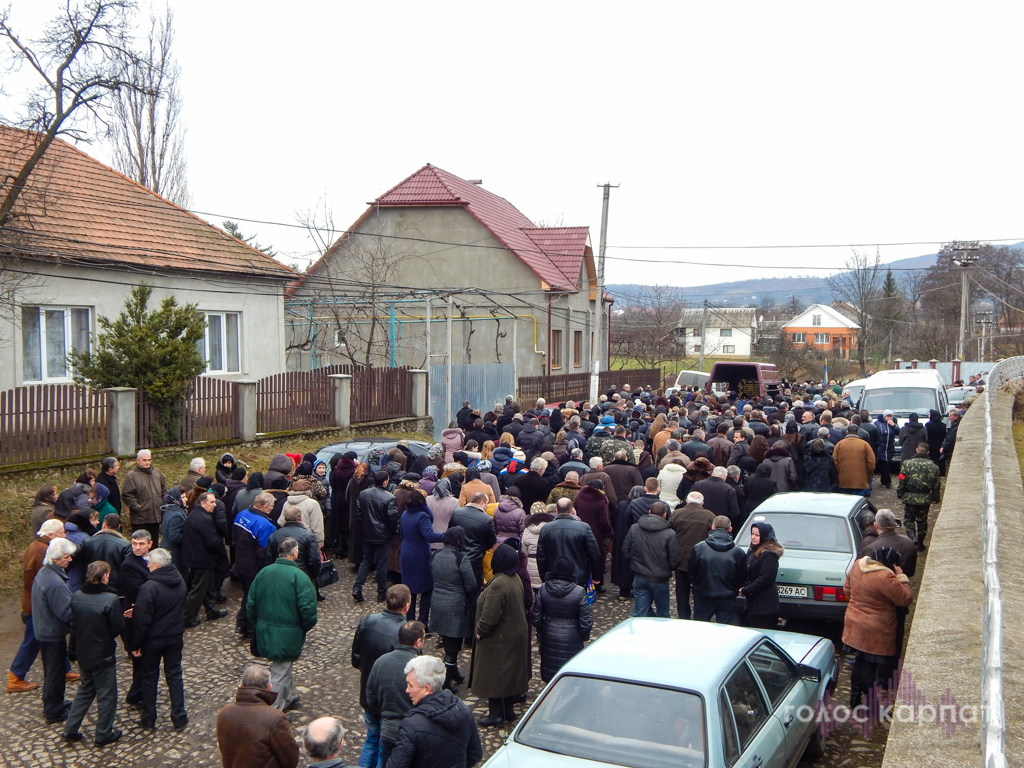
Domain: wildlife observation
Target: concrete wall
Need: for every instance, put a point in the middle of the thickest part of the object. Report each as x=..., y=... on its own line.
x=104, y=291
x=943, y=656
x=483, y=330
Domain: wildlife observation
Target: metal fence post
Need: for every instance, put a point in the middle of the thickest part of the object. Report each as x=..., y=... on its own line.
x=122, y=421
x=247, y=408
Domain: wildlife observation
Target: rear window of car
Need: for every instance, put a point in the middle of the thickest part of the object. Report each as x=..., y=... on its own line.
x=900, y=400
x=820, y=533
x=620, y=723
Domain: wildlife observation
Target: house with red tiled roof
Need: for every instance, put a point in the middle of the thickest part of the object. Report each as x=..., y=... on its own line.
x=520, y=293
x=82, y=236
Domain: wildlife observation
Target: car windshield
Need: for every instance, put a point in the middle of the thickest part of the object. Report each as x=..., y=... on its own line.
x=821, y=533
x=900, y=400
x=620, y=723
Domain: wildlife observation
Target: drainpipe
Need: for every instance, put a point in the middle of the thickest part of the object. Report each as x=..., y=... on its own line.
x=547, y=357
x=393, y=334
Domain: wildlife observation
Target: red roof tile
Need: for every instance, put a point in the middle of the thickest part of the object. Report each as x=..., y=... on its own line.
x=74, y=208
x=553, y=254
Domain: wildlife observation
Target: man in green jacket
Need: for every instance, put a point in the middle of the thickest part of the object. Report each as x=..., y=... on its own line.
x=282, y=609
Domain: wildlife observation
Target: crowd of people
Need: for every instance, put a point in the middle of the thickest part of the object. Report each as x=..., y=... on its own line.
x=498, y=532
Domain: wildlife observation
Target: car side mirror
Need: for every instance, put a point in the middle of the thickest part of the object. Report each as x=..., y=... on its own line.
x=807, y=672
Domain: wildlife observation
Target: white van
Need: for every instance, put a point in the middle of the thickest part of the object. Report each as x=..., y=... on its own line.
x=687, y=379
x=905, y=392
x=853, y=391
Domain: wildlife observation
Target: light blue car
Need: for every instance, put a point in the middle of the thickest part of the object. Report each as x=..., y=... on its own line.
x=666, y=693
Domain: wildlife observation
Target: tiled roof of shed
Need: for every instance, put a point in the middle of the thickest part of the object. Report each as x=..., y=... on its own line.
x=77, y=210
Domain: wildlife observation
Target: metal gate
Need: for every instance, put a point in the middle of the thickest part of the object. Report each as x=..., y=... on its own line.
x=482, y=385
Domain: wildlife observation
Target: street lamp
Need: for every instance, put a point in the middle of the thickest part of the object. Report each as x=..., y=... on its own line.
x=964, y=256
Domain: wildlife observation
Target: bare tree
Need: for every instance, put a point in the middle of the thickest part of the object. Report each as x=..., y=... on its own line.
x=644, y=329
x=147, y=132
x=80, y=60
x=859, y=286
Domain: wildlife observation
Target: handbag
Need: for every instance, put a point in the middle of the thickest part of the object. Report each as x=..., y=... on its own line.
x=591, y=592
x=328, y=572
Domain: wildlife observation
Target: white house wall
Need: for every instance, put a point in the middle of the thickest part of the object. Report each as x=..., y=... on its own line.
x=104, y=291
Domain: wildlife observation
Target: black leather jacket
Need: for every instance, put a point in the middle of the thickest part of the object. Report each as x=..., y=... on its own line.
x=568, y=536
x=309, y=550
x=376, y=635
x=479, y=533
x=377, y=513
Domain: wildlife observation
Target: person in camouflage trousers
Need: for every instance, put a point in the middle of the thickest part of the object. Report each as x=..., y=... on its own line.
x=918, y=488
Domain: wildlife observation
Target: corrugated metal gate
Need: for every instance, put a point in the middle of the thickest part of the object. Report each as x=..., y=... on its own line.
x=483, y=385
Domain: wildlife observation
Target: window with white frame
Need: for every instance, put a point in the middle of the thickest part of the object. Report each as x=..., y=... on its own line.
x=728, y=349
x=48, y=335
x=220, y=345
x=815, y=319
x=799, y=338
x=725, y=332
x=821, y=338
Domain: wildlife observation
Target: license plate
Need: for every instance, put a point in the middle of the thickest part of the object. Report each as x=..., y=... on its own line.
x=786, y=591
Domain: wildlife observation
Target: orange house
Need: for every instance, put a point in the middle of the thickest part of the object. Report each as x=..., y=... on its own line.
x=824, y=328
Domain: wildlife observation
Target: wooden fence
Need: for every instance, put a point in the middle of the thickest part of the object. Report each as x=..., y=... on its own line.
x=555, y=389
x=381, y=393
x=47, y=422
x=342, y=368
x=208, y=412
x=637, y=380
x=296, y=400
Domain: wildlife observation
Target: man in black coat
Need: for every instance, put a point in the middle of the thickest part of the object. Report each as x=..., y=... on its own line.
x=376, y=635
x=97, y=621
x=530, y=437
x=107, y=477
x=386, y=692
x=720, y=497
x=695, y=447
x=477, y=538
x=202, y=549
x=949, y=443
x=158, y=635
x=641, y=505
x=108, y=545
x=477, y=434
x=464, y=416
x=377, y=513
x=717, y=569
x=533, y=486
x=568, y=536
x=623, y=474
x=309, y=551
x=653, y=553
x=134, y=573
x=439, y=729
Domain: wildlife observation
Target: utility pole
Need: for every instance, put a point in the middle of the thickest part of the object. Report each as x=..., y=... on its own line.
x=448, y=371
x=703, y=337
x=965, y=255
x=599, y=314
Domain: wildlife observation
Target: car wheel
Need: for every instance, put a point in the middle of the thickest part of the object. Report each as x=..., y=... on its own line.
x=816, y=746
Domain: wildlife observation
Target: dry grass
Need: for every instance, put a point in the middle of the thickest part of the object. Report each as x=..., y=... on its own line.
x=1018, y=440
x=18, y=490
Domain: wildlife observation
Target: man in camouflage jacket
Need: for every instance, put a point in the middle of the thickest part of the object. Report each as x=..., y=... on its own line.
x=918, y=488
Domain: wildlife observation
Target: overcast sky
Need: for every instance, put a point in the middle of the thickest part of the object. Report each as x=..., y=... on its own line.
x=726, y=124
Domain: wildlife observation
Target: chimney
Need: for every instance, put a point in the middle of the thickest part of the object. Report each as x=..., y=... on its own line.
x=478, y=182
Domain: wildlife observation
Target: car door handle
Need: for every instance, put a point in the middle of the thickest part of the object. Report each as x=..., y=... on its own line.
x=787, y=720
x=756, y=762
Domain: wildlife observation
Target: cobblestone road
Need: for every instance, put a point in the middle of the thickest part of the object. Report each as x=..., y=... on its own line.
x=214, y=659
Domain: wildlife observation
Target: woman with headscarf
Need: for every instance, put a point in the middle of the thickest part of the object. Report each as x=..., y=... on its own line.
x=509, y=517
x=442, y=504
x=875, y=586
x=100, y=500
x=415, y=528
x=316, y=491
x=537, y=519
x=562, y=616
x=362, y=479
x=622, y=572
x=761, y=591
x=796, y=446
x=343, y=466
x=433, y=457
x=224, y=468
x=454, y=583
x=428, y=479
x=498, y=671
x=42, y=508
x=759, y=487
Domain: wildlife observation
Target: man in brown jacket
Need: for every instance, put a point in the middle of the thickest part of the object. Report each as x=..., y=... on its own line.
x=692, y=524
x=855, y=462
x=252, y=732
x=33, y=561
x=143, y=492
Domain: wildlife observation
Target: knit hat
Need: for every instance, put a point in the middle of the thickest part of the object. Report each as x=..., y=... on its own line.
x=219, y=489
x=204, y=482
x=607, y=420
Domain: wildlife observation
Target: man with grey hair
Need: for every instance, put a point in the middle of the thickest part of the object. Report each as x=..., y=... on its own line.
x=692, y=524
x=196, y=469
x=158, y=630
x=439, y=730
x=596, y=472
x=323, y=739
x=251, y=732
x=532, y=486
x=251, y=532
x=51, y=618
x=573, y=464
x=720, y=497
x=143, y=492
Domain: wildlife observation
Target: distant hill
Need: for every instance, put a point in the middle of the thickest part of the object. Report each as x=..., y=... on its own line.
x=809, y=290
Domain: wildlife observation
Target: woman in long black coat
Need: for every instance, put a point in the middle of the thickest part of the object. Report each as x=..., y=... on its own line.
x=819, y=468
x=454, y=582
x=622, y=573
x=562, y=616
x=936, y=430
x=761, y=591
x=362, y=479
